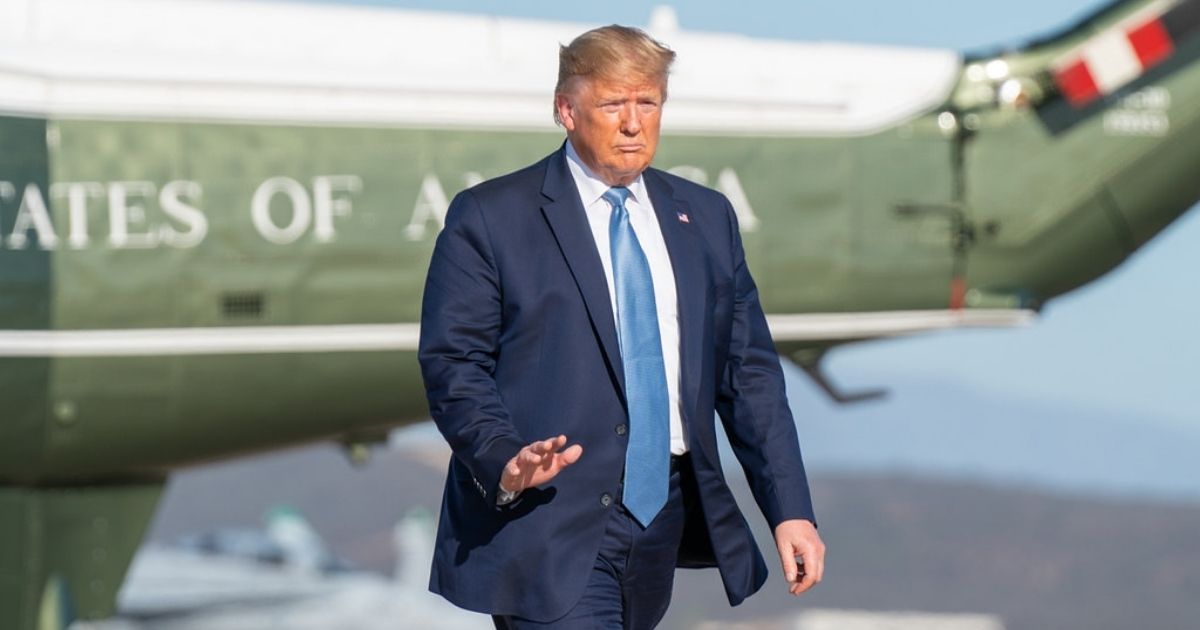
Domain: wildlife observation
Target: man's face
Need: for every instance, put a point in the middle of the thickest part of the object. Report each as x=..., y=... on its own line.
x=613, y=125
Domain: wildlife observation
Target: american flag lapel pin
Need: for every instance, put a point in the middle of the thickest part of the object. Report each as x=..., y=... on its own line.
x=683, y=217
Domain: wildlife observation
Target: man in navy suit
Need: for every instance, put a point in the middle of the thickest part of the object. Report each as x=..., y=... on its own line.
x=593, y=301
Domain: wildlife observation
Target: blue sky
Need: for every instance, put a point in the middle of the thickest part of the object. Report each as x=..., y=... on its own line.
x=940, y=23
x=1125, y=345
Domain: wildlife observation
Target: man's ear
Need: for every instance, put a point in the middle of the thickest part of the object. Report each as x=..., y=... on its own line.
x=566, y=111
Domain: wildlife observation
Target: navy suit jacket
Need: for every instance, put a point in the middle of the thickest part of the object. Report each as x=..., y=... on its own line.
x=518, y=344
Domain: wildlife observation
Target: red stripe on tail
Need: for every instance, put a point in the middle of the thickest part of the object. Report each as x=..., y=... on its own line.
x=1151, y=42
x=1076, y=83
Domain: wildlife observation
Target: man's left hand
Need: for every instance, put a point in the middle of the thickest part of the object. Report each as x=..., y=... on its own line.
x=799, y=538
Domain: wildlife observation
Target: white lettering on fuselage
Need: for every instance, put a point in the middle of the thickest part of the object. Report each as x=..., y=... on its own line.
x=330, y=198
x=432, y=205
x=129, y=226
x=299, y=207
x=729, y=184
x=77, y=195
x=326, y=205
x=282, y=210
x=126, y=209
x=171, y=200
x=1143, y=113
x=32, y=214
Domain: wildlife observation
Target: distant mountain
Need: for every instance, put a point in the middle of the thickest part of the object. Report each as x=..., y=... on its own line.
x=1039, y=560
x=943, y=429
x=353, y=508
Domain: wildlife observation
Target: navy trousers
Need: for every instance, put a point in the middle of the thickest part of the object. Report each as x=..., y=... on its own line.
x=630, y=584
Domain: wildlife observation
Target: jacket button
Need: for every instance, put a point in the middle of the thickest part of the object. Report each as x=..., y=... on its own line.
x=621, y=429
x=606, y=499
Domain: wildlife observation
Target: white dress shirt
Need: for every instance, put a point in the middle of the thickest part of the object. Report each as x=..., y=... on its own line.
x=649, y=236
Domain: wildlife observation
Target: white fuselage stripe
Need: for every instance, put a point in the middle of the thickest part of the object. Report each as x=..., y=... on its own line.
x=224, y=340
x=852, y=326
x=404, y=337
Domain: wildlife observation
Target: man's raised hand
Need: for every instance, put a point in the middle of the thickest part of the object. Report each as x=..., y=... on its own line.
x=538, y=463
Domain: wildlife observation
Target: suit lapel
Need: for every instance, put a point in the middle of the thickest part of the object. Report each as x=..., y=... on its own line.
x=685, y=249
x=565, y=214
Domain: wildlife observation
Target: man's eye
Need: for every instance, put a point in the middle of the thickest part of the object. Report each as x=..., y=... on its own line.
x=611, y=108
x=647, y=106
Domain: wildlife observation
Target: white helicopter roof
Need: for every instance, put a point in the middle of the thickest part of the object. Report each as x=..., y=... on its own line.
x=324, y=64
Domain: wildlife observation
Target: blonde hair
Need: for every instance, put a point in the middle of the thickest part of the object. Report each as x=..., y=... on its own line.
x=612, y=52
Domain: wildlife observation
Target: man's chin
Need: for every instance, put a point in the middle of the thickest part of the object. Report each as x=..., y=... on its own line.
x=630, y=168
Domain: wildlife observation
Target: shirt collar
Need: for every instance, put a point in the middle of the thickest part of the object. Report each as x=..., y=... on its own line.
x=591, y=187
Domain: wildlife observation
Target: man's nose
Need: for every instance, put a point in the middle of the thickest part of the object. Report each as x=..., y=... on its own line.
x=631, y=125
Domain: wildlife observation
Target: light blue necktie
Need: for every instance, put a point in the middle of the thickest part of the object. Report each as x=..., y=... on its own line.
x=647, y=460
